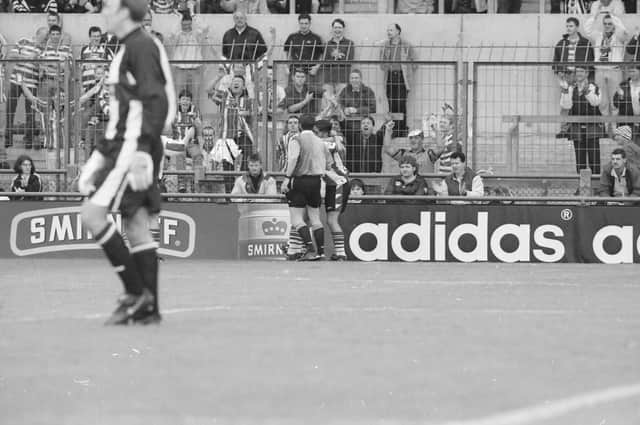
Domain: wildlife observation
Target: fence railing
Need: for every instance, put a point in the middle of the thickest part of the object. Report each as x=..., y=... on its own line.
x=507, y=122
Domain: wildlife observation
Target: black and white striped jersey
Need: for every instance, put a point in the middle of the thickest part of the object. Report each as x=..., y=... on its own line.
x=141, y=97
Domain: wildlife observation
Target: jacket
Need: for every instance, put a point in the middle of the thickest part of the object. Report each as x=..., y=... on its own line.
x=584, y=52
x=616, y=54
x=397, y=186
x=632, y=176
x=471, y=183
x=407, y=56
x=34, y=184
x=585, y=103
x=622, y=103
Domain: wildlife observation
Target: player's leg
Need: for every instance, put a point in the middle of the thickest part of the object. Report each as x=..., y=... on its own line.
x=318, y=231
x=297, y=223
x=143, y=251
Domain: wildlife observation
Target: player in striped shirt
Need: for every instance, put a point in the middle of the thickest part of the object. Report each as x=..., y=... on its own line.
x=24, y=72
x=121, y=174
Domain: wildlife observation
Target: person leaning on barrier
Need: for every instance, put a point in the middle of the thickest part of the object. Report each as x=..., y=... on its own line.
x=254, y=181
x=617, y=179
x=582, y=98
x=462, y=181
x=26, y=180
x=408, y=182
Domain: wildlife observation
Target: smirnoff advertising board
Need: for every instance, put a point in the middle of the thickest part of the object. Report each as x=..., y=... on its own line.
x=380, y=232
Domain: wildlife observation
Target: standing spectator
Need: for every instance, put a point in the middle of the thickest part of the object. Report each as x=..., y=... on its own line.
x=469, y=6
x=357, y=101
x=415, y=6
x=26, y=73
x=27, y=180
x=337, y=49
x=188, y=45
x=253, y=7
x=398, y=75
x=187, y=116
x=293, y=129
x=582, y=98
x=298, y=97
x=278, y=91
x=409, y=182
x=3, y=53
x=618, y=180
x=608, y=47
x=94, y=51
x=633, y=48
x=364, y=147
x=34, y=6
x=416, y=150
x=573, y=47
x=303, y=45
x=52, y=74
x=627, y=101
x=96, y=111
x=243, y=42
x=79, y=6
x=600, y=8
x=147, y=24
x=462, y=181
x=54, y=18
x=235, y=109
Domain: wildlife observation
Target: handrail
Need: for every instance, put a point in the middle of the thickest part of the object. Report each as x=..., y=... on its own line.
x=506, y=200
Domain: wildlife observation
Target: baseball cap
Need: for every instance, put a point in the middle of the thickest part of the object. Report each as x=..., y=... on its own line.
x=416, y=133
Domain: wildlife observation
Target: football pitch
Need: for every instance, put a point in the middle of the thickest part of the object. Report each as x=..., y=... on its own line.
x=323, y=343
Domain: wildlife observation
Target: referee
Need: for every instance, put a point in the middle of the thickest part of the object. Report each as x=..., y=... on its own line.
x=308, y=159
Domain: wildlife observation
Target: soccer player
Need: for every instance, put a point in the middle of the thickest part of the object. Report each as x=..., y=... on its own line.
x=307, y=161
x=121, y=173
x=337, y=188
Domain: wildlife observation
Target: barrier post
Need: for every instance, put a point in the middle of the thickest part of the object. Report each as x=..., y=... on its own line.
x=585, y=182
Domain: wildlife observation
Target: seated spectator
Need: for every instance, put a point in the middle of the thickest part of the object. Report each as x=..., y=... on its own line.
x=416, y=150
x=462, y=181
x=626, y=101
x=617, y=179
x=356, y=99
x=187, y=45
x=409, y=182
x=26, y=180
x=254, y=181
x=298, y=97
x=337, y=49
x=364, y=147
x=623, y=137
x=357, y=189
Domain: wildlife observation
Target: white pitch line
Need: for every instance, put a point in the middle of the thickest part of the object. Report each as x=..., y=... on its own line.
x=556, y=408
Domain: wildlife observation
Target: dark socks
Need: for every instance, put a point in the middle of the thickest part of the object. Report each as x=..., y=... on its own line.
x=306, y=237
x=318, y=235
x=146, y=261
x=120, y=258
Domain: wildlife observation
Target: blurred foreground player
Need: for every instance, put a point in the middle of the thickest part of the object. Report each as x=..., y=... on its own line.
x=121, y=172
x=307, y=160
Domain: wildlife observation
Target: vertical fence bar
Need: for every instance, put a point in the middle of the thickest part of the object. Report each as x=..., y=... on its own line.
x=464, y=103
x=474, y=119
x=274, y=116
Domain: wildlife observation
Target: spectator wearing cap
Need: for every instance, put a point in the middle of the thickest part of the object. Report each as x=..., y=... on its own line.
x=582, y=98
x=416, y=149
x=397, y=56
x=623, y=137
x=409, y=181
x=627, y=101
x=617, y=179
x=462, y=181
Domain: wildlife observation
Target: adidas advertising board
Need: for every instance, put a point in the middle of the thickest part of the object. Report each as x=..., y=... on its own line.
x=379, y=232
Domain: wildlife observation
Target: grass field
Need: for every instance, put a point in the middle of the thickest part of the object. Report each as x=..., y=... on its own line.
x=323, y=343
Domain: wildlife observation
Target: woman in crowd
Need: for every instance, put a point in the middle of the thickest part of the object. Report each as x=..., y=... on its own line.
x=27, y=180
